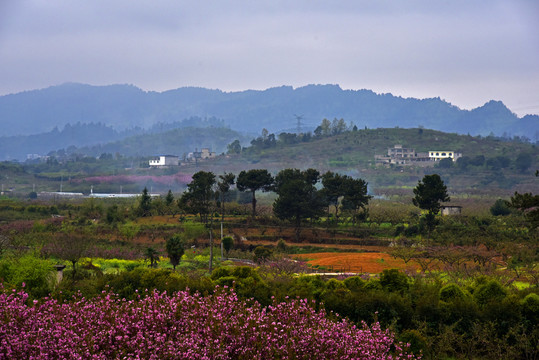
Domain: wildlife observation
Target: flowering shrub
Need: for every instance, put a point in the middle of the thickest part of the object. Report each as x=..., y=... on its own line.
x=182, y=326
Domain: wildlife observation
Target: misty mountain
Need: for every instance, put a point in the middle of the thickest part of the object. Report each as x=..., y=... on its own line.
x=125, y=106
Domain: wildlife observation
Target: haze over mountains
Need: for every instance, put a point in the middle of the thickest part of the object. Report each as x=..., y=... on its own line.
x=121, y=108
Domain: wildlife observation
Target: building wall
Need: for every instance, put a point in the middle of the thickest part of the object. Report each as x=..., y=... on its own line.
x=165, y=161
x=438, y=155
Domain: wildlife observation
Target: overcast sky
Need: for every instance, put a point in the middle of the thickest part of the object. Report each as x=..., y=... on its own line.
x=464, y=51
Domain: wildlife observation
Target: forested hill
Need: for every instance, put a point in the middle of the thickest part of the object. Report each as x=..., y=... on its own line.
x=175, y=142
x=125, y=106
x=95, y=136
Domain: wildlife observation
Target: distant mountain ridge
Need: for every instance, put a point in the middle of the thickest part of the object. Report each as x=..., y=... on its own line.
x=125, y=106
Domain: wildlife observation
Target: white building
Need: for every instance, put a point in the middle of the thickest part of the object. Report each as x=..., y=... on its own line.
x=165, y=160
x=437, y=155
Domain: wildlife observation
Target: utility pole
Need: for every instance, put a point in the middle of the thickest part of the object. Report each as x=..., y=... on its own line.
x=211, y=243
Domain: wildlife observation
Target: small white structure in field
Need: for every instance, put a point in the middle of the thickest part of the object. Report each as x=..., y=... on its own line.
x=165, y=160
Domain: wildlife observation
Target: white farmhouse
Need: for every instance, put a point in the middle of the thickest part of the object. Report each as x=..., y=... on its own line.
x=437, y=155
x=165, y=160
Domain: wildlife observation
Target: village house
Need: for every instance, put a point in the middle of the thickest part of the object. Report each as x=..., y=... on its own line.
x=165, y=160
x=203, y=154
x=399, y=155
x=436, y=155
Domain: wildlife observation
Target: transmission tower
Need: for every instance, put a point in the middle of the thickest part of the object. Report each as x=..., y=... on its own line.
x=298, y=122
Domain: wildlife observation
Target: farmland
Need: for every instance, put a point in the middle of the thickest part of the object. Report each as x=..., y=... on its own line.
x=452, y=287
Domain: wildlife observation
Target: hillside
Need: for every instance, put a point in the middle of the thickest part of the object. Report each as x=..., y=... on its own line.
x=125, y=106
x=92, y=136
x=176, y=142
x=353, y=153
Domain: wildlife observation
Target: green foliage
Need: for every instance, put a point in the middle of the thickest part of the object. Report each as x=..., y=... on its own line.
x=234, y=147
x=429, y=193
x=418, y=342
x=152, y=256
x=129, y=230
x=524, y=161
x=529, y=204
x=446, y=163
x=394, y=280
x=500, y=208
x=200, y=194
x=35, y=274
x=281, y=246
x=530, y=308
x=451, y=292
x=145, y=204
x=228, y=243
x=254, y=180
x=114, y=215
x=175, y=247
x=354, y=283
x=492, y=291
x=261, y=254
x=298, y=197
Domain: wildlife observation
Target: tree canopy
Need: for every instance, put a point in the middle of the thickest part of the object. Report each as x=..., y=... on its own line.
x=200, y=194
x=430, y=193
x=254, y=180
x=298, y=197
x=175, y=247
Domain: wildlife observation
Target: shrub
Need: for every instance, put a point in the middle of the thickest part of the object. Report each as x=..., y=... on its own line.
x=451, y=292
x=354, y=283
x=489, y=292
x=35, y=274
x=261, y=254
x=393, y=280
x=500, y=208
x=530, y=308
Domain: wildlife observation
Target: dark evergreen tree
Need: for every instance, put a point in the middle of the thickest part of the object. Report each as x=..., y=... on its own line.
x=175, y=247
x=145, y=204
x=200, y=194
x=298, y=197
x=429, y=194
x=225, y=181
x=254, y=180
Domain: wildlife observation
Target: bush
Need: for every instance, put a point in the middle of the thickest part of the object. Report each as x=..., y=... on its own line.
x=36, y=275
x=451, y=292
x=500, y=208
x=354, y=283
x=261, y=254
x=489, y=292
x=393, y=280
x=530, y=308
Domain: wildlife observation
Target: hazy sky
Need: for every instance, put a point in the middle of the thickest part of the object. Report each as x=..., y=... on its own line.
x=464, y=51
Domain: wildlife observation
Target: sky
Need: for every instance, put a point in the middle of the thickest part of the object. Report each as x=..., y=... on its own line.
x=466, y=52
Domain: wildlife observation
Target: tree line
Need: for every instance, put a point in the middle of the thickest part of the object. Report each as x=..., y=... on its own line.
x=301, y=195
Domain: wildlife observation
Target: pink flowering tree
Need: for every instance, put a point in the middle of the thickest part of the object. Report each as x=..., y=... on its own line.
x=183, y=326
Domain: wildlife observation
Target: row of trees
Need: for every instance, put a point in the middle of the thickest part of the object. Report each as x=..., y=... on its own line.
x=522, y=162
x=299, y=194
x=269, y=140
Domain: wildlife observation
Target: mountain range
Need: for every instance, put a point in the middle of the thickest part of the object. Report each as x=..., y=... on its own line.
x=122, y=108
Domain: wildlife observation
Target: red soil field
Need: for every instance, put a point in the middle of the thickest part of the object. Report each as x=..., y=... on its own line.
x=372, y=262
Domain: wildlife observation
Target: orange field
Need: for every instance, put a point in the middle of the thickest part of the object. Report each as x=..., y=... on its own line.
x=372, y=262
